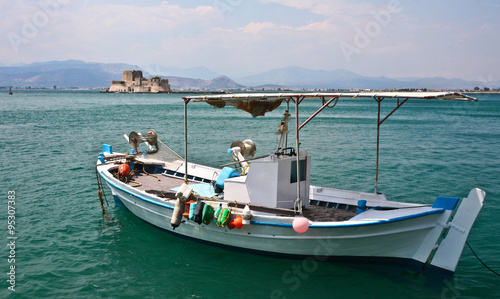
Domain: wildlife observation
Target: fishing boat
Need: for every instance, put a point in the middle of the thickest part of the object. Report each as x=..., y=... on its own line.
x=267, y=205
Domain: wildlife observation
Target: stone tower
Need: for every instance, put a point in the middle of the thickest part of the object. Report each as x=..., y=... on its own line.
x=131, y=75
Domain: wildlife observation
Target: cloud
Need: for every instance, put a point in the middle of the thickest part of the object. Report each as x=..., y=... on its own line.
x=255, y=28
x=254, y=36
x=328, y=8
x=76, y=30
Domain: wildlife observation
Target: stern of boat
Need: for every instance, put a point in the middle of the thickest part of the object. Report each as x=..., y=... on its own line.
x=444, y=244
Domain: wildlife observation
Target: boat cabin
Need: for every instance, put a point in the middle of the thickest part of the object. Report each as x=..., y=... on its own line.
x=272, y=182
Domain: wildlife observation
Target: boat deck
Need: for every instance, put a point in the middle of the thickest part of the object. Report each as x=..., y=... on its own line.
x=162, y=185
x=325, y=214
x=157, y=184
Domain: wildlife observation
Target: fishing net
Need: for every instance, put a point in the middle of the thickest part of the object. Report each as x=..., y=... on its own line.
x=254, y=107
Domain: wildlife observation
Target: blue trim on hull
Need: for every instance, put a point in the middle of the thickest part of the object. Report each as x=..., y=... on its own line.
x=397, y=219
x=402, y=218
x=385, y=221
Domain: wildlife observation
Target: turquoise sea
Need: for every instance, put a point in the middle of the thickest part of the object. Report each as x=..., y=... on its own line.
x=65, y=248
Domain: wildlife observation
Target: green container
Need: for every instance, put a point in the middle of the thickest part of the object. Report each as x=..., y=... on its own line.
x=208, y=214
x=223, y=217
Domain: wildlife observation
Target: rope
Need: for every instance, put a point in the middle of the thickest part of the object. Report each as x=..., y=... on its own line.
x=494, y=272
x=136, y=182
x=147, y=173
x=244, y=169
x=100, y=190
x=334, y=104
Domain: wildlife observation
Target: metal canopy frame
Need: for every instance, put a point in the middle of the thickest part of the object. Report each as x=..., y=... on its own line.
x=297, y=98
x=379, y=123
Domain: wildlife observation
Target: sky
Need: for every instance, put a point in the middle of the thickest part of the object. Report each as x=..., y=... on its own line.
x=393, y=38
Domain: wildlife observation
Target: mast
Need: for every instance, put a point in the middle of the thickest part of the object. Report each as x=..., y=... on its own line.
x=297, y=144
x=379, y=100
x=186, y=101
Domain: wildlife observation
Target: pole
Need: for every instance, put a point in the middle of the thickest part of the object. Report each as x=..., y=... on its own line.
x=297, y=144
x=185, y=143
x=378, y=144
x=379, y=123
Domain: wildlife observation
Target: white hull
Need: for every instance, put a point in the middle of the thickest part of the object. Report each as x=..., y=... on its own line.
x=409, y=234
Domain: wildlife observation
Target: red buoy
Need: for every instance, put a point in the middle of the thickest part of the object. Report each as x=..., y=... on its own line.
x=124, y=170
x=230, y=224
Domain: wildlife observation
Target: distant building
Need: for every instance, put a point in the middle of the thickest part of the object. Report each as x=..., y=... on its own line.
x=133, y=81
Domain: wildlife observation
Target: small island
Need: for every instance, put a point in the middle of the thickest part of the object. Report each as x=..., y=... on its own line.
x=133, y=81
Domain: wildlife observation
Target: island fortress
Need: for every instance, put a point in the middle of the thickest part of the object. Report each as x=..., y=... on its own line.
x=133, y=81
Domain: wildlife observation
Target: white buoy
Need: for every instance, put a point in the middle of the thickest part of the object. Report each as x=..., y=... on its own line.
x=246, y=215
x=177, y=213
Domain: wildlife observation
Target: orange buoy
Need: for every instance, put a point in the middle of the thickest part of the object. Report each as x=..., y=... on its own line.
x=230, y=224
x=186, y=208
x=238, y=222
x=124, y=170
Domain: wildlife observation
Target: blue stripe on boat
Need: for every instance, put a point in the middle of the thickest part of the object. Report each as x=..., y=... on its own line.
x=431, y=212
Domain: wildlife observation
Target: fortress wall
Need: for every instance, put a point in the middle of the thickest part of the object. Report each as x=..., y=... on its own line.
x=133, y=81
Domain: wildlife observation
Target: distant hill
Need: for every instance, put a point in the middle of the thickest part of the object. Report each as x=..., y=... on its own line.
x=76, y=73
x=299, y=77
x=199, y=72
x=70, y=73
x=221, y=82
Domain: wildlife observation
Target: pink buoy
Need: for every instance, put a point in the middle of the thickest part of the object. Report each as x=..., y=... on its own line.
x=300, y=224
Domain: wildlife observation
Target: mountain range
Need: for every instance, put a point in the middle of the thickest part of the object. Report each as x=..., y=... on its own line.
x=300, y=77
x=80, y=74
x=71, y=73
